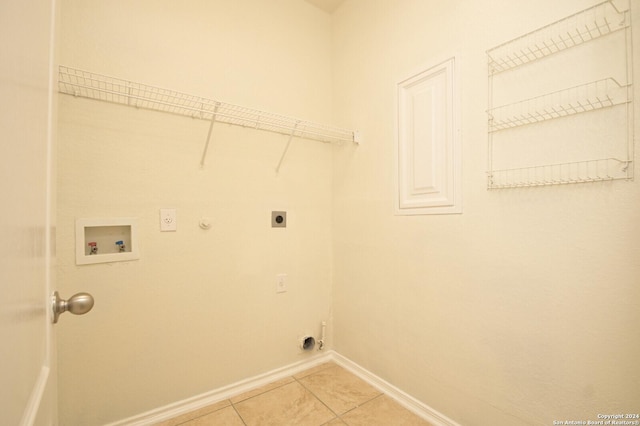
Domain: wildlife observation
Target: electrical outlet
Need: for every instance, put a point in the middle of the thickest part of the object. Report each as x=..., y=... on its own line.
x=281, y=283
x=168, y=220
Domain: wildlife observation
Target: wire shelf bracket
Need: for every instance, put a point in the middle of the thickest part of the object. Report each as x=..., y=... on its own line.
x=206, y=145
x=96, y=86
x=286, y=148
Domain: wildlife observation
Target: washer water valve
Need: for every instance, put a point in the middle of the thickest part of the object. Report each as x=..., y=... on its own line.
x=121, y=246
x=93, y=248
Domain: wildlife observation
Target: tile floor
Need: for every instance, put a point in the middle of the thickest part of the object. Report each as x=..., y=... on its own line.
x=324, y=395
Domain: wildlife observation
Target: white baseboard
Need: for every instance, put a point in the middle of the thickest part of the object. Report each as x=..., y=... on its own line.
x=200, y=401
x=407, y=401
x=191, y=404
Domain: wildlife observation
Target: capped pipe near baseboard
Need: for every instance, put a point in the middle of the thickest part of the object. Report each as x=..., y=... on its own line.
x=322, y=336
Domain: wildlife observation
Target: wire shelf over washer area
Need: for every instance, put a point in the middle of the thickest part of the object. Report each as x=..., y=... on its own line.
x=101, y=87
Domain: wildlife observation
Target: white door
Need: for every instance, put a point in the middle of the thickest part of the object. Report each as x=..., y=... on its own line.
x=27, y=359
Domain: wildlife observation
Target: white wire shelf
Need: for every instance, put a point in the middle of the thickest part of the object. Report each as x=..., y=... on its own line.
x=575, y=100
x=101, y=87
x=586, y=25
x=569, y=141
x=605, y=169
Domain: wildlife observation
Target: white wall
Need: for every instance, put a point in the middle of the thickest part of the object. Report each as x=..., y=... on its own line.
x=198, y=310
x=523, y=309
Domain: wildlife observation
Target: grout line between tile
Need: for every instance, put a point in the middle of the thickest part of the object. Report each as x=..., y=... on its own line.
x=317, y=397
x=238, y=413
x=337, y=416
x=262, y=393
x=295, y=380
x=380, y=395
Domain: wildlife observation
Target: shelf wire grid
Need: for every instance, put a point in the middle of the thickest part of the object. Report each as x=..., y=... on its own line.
x=605, y=169
x=575, y=100
x=589, y=24
x=101, y=87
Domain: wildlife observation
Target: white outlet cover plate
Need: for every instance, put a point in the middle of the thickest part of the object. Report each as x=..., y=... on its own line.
x=168, y=220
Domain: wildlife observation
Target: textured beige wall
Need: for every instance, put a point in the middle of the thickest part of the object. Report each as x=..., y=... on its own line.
x=522, y=310
x=198, y=310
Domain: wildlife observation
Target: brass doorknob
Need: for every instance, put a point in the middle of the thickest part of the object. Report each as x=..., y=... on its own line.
x=78, y=304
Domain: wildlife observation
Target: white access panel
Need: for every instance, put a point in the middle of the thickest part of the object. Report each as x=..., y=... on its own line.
x=428, y=148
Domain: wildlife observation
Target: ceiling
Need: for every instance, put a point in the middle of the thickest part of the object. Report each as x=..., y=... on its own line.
x=327, y=5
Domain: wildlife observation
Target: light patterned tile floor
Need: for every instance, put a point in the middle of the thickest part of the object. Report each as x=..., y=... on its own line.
x=324, y=395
